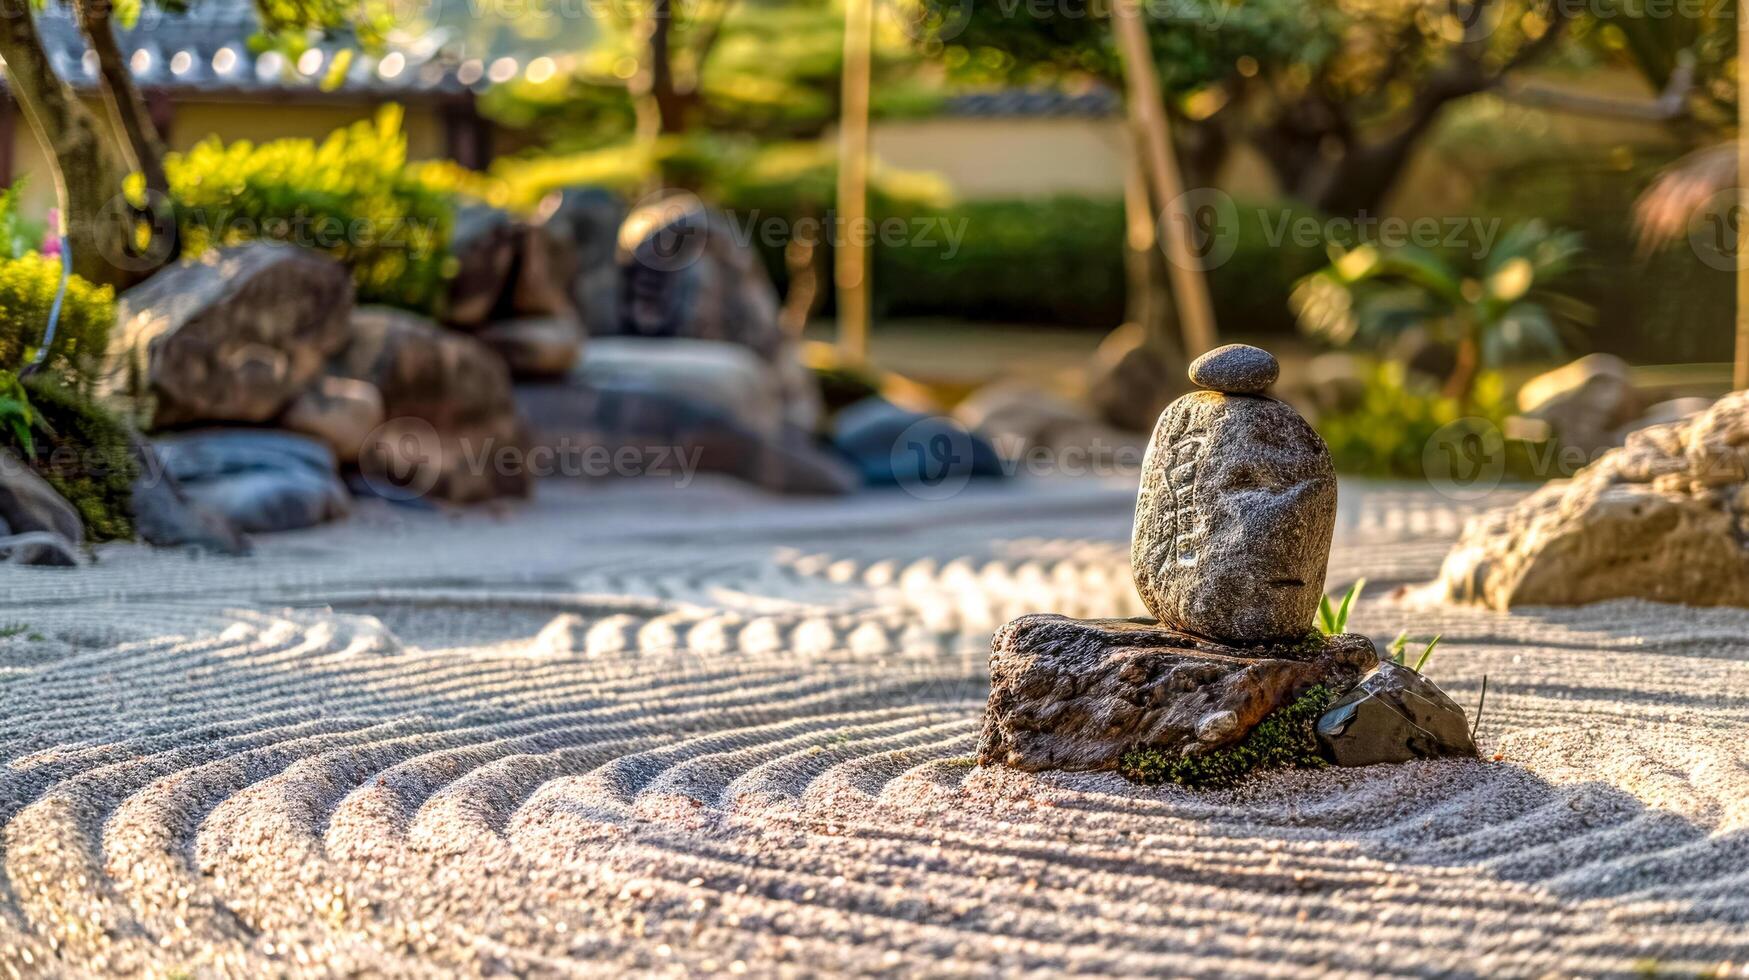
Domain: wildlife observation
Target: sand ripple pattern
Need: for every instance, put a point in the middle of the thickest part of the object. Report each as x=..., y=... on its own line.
x=599, y=734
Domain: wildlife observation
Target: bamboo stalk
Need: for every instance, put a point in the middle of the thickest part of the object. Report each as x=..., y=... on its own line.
x=1740, y=370
x=1189, y=289
x=851, y=259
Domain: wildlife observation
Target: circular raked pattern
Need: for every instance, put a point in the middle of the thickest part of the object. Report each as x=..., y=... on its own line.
x=763, y=762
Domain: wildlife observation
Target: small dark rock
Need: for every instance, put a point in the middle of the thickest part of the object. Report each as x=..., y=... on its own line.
x=1078, y=694
x=891, y=445
x=1393, y=715
x=260, y=480
x=1235, y=369
x=46, y=527
x=165, y=516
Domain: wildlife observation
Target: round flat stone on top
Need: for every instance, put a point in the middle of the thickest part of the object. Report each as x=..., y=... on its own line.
x=1235, y=369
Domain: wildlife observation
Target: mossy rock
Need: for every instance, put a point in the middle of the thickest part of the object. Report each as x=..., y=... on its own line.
x=83, y=451
x=1285, y=738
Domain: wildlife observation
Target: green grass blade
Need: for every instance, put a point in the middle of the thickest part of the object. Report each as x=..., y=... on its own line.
x=1427, y=654
x=1348, y=604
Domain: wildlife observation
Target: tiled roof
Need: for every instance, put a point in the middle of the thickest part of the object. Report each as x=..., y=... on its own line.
x=208, y=50
x=1099, y=101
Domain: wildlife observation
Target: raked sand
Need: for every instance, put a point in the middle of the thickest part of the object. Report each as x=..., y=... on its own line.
x=630, y=728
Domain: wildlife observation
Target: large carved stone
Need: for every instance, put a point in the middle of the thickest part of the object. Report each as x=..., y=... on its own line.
x=1234, y=519
x=230, y=336
x=1078, y=694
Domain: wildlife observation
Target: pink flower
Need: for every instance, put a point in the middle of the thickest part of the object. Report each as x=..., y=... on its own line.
x=51, y=234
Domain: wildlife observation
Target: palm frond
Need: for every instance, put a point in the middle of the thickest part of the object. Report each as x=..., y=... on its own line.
x=1679, y=193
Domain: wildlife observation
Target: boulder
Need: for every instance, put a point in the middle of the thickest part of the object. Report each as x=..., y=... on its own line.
x=540, y=279
x=452, y=419
x=484, y=244
x=1078, y=694
x=1234, y=518
x=1661, y=518
x=686, y=274
x=1336, y=381
x=1129, y=382
x=1584, y=402
x=726, y=377
x=631, y=429
x=260, y=480
x=585, y=221
x=166, y=516
x=341, y=412
x=1662, y=413
x=230, y=336
x=536, y=347
x=1017, y=417
x=39, y=526
x=890, y=445
x=1393, y=715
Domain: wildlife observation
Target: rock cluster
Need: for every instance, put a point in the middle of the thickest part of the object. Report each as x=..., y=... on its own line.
x=1665, y=517
x=1233, y=525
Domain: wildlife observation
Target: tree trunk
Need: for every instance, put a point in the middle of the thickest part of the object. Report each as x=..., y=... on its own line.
x=87, y=175
x=141, y=144
x=1148, y=114
x=1147, y=297
x=142, y=147
x=1461, y=383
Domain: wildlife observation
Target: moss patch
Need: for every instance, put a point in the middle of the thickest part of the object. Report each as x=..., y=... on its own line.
x=84, y=455
x=1285, y=738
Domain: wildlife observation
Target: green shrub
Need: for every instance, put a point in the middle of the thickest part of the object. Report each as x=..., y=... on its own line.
x=27, y=292
x=18, y=234
x=351, y=196
x=1287, y=737
x=1389, y=433
x=82, y=451
x=1060, y=260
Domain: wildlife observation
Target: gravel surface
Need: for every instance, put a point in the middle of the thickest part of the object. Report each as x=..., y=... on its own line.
x=632, y=728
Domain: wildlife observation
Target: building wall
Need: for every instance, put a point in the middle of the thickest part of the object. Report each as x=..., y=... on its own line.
x=256, y=121
x=1008, y=157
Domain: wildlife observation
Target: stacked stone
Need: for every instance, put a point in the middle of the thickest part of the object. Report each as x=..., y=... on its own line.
x=1234, y=519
